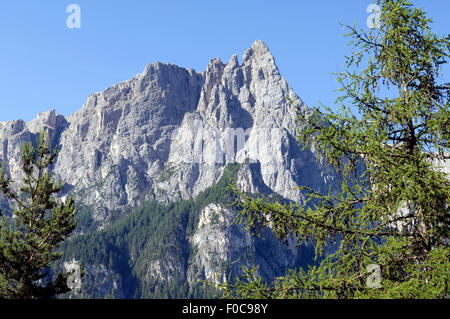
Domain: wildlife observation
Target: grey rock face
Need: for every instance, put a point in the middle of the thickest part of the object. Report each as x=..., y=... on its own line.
x=216, y=243
x=101, y=279
x=169, y=132
x=222, y=247
x=14, y=133
x=243, y=116
x=118, y=143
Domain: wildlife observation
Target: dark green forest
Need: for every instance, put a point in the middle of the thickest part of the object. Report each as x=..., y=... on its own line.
x=152, y=231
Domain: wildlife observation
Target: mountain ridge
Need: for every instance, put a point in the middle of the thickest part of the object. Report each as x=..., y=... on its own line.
x=124, y=136
x=168, y=135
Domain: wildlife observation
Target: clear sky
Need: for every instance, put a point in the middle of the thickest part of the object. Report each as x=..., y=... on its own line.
x=44, y=64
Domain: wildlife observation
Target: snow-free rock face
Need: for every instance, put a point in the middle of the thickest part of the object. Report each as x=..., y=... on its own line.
x=169, y=132
x=14, y=133
x=119, y=142
x=246, y=114
x=220, y=248
x=216, y=242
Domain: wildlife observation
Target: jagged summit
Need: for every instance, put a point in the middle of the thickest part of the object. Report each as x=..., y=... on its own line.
x=117, y=149
x=258, y=48
x=258, y=51
x=170, y=133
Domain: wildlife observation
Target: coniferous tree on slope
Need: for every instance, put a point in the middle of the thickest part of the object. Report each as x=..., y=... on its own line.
x=40, y=223
x=390, y=219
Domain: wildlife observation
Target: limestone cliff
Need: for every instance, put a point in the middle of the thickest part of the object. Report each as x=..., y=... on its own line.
x=168, y=134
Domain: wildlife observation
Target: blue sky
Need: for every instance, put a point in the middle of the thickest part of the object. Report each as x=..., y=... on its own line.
x=44, y=64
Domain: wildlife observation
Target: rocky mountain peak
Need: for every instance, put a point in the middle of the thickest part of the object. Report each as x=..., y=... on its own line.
x=53, y=123
x=169, y=133
x=213, y=76
x=233, y=63
x=258, y=52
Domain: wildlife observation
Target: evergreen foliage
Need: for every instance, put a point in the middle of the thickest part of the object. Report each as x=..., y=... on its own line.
x=151, y=232
x=386, y=141
x=40, y=223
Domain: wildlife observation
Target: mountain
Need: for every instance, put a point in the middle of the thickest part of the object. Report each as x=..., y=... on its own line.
x=146, y=161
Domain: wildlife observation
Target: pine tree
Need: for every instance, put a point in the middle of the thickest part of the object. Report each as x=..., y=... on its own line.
x=29, y=240
x=387, y=141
